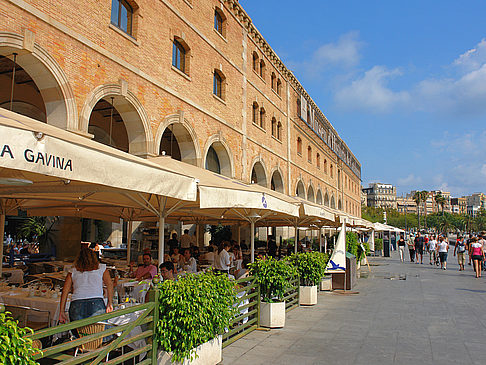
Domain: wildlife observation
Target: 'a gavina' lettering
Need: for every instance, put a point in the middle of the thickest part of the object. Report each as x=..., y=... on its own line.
x=48, y=160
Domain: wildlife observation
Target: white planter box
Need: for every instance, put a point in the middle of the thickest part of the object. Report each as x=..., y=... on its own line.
x=326, y=284
x=308, y=295
x=272, y=315
x=210, y=353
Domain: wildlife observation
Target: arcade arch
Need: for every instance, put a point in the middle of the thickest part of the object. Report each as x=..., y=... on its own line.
x=300, y=190
x=326, y=199
x=319, y=197
x=41, y=89
x=217, y=157
x=258, y=174
x=276, y=183
x=310, y=194
x=333, y=202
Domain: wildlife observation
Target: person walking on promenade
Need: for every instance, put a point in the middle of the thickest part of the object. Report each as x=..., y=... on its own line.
x=432, y=248
x=468, y=248
x=401, y=248
x=477, y=256
x=411, y=247
x=460, y=248
x=482, y=241
x=443, y=248
x=419, y=248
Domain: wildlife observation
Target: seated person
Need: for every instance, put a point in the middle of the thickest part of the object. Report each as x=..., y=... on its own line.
x=243, y=271
x=146, y=270
x=189, y=262
x=209, y=256
x=176, y=257
x=167, y=271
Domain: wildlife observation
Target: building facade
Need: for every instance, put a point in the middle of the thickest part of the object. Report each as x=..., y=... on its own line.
x=459, y=205
x=191, y=79
x=380, y=195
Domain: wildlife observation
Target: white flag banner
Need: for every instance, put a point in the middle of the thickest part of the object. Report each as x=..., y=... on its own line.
x=337, y=262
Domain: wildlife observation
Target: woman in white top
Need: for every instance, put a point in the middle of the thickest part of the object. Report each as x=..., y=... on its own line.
x=86, y=279
x=433, y=250
x=443, y=248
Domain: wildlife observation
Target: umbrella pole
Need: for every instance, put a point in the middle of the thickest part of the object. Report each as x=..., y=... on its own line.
x=239, y=234
x=161, y=238
x=296, y=238
x=197, y=234
x=320, y=240
x=252, y=240
x=2, y=232
x=129, y=241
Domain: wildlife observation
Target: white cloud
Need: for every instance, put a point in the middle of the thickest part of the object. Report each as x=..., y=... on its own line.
x=410, y=180
x=343, y=53
x=371, y=92
x=473, y=58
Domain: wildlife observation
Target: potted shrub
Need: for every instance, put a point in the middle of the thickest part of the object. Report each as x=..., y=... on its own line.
x=193, y=313
x=273, y=277
x=310, y=267
x=15, y=347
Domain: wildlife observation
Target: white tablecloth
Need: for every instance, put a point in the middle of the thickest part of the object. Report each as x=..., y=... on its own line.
x=17, y=276
x=128, y=318
x=138, y=292
x=21, y=297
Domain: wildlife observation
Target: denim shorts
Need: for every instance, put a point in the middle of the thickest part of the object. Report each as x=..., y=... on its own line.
x=84, y=308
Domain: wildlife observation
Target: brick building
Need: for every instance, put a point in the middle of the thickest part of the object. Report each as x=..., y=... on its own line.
x=191, y=79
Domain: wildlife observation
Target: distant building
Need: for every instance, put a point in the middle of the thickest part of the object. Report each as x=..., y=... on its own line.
x=364, y=198
x=459, y=205
x=380, y=195
x=406, y=204
x=475, y=202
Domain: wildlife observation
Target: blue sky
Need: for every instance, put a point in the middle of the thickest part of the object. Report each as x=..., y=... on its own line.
x=403, y=82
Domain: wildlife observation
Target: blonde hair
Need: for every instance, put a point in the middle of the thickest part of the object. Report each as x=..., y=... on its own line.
x=86, y=260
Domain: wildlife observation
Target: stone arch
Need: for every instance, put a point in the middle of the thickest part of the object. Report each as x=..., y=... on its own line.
x=310, y=194
x=319, y=196
x=185, y=137
x=132, y=112
x=333, y=202
x=326, y=200
x=276, y=182
x=259, y=173
x=340, y=204
x=300, y=190
x=217, y=146
x=49, y=78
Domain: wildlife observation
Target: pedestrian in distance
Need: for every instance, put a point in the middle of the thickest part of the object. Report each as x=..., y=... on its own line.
x=411, y=247
x=477, y=256
x=419, y=248
x=460, y=248
x=401, y=248
x=482, y=241
x=443, y=248
x=432, y=248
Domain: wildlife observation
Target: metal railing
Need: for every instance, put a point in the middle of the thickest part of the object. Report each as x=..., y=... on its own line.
x=248, y=317
x=64, y=353
x=291, y=296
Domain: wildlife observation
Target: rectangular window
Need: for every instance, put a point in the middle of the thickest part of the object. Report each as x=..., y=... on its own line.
x=217, y=85
x=121, y=15
x=178, y=56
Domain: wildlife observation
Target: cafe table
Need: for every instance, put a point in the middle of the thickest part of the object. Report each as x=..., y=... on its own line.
x=21, y=297
x=16, y=275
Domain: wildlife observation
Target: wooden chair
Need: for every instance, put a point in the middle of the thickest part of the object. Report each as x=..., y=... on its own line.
x=29, y=317
x=91, y=329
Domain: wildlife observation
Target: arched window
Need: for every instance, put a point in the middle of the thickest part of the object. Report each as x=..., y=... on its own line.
x=309, y=154
x=279, y=131
x=255, y=113
x=299, y=146
x=218, y=84
x=122, y=15
x=308, y=115
x=256, y=62
x=274, y=127
x=273, y=81
x=262, y=69
x=331, y=172
x=179, y=55
x=318, y=160
x=325, y=166
x=262, y=117
x=279, y=87
x=298, y=107
x=219, y=22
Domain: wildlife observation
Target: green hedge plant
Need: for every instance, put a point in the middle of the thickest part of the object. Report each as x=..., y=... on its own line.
x=273, y=276
x=194, y=310
x=15, y=347
x=310, y=267
x=378, y=244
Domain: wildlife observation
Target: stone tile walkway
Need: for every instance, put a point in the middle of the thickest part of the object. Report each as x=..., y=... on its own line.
x=432, y=317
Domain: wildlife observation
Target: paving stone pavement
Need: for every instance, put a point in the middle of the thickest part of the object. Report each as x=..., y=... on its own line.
x=432, y=317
